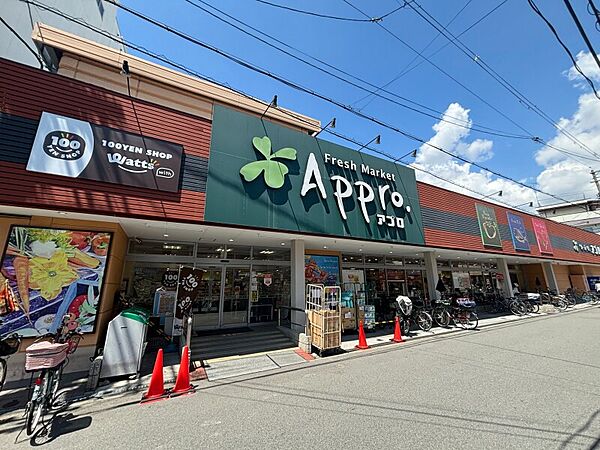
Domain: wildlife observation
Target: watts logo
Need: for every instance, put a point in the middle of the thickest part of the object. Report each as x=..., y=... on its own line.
x=64, y=145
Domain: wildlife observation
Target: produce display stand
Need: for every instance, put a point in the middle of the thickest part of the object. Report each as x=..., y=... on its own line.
x=323, y=317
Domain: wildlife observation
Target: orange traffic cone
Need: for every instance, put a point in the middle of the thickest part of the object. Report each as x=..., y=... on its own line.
x=362, y=339
x=397, y=332
x=182, y=384
x=156, y=390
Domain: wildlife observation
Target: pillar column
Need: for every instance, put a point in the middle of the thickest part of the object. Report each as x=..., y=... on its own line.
x=506, y=283
x=297, y=287
x=432, y=275
x=549, y=276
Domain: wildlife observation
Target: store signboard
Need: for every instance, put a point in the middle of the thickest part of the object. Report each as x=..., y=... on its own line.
x=594, y=283
x=48, y=273
x=353, y=276
x=78, y=149
x=518, y=232
x=322, y=269
x=271, y=176
x=586, y=248
x=542, y=236
x=488, y=225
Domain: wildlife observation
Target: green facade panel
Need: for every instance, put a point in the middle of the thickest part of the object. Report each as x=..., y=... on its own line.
x=269, y=176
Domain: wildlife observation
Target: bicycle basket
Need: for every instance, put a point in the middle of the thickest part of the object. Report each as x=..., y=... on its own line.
x=9, y=345
x=466, y=303
x=44, y=355
x=405, y=304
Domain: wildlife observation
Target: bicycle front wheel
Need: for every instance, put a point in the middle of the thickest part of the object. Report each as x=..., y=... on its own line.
x=424, y=321
x=441, y=317
x=34, y=414
x=561, y=305
x=471, y=321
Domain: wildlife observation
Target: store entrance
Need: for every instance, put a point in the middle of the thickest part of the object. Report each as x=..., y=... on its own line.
x=224, y=298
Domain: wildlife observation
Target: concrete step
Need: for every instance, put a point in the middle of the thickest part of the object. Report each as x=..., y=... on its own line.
x=245, y=343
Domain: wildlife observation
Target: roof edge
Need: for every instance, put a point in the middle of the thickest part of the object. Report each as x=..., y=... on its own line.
x=85, y=48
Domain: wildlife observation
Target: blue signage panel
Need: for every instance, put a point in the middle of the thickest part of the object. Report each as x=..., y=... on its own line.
x=518, y=232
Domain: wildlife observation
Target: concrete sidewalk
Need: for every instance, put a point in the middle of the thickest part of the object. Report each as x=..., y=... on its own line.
x=14, y=395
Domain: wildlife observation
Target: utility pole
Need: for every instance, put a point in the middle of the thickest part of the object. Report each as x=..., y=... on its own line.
x=596, y=181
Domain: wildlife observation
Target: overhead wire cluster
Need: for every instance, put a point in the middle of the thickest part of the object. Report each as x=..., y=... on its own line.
x=270, y=75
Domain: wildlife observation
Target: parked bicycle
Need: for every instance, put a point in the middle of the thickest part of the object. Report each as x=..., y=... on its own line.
x=463, y=313
x=441, y=312
x=49, y=358
x=409, y=314
x=558, y=301
x=531, y=301
x=512, y=304
x=8, y=345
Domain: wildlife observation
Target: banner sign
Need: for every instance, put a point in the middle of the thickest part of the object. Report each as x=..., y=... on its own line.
x=271, y=176
x=78, y=149
x=518, y=232
x=51, y=273
x=188, y=289
x=541, y=235
x=322, y=269
x=488, y=226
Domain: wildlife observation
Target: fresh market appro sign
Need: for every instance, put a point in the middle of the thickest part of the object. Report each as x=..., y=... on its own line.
x=78, y=149
x=291, y=181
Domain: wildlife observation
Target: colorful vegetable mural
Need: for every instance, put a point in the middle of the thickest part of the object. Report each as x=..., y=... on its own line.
x=49, y=273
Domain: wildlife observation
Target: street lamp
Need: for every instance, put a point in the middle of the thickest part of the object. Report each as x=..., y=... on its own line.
x=376, y=139
x=493, y=193
x=530, y=204
x=273, y=104
x=330, y=124
x=412, y=153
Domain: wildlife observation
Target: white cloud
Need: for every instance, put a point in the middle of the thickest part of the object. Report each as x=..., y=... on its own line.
x=569, y=175
x=588, y=65
x=455, y=139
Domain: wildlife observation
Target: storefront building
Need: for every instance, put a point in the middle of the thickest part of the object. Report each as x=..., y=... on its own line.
x=110, y=189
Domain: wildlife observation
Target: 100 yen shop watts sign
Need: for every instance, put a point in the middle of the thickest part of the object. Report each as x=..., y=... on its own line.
x=78, y=149
x=265, y=175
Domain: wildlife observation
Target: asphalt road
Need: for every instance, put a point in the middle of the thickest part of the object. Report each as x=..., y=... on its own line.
x=530, y=384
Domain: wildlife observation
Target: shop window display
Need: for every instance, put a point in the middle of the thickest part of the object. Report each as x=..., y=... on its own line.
x=270, y=289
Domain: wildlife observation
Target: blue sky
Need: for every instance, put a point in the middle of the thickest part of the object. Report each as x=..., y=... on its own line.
x=512, y=40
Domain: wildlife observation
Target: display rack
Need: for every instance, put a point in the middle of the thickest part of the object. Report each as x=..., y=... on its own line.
x=355, y=308
x=323, y=323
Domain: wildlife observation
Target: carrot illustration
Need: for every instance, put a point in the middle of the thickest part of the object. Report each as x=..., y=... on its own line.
x=21, y=266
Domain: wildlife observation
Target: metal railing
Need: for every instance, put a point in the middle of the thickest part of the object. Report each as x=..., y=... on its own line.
x=284, y=316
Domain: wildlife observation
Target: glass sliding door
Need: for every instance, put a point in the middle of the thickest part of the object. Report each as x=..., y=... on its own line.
x=236, y=296
x=207, y=306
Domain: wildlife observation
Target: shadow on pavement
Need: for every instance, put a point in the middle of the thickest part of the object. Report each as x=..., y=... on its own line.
x=59, y=425
x=579, y=432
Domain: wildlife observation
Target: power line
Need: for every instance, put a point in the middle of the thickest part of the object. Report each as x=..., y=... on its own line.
x=563, y=45
x=496, y=76
x=289, y=84
x=443, y=117
x=415, y=58
x=326, y=16
x=25, y=43
x=582, y=32
x=591, y=7
x=316, y=94
x=440, y=115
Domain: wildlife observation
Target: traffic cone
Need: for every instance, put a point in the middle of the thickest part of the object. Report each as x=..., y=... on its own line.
x=362, y=339
x=397, y=332
x=156, y=390
x=182, y=384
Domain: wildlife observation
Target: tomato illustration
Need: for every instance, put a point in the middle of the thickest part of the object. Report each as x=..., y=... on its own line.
x=80, y=240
